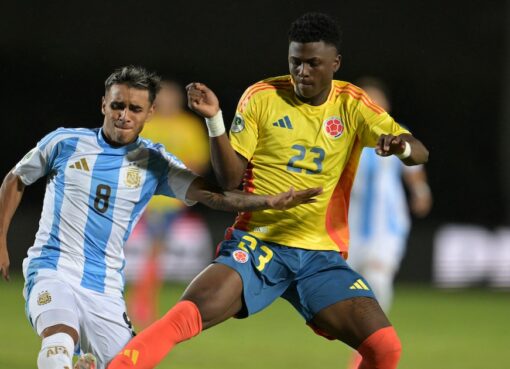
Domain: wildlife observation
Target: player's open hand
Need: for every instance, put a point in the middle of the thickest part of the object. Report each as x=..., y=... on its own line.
x=292, y=198
x=389, y=145
x=202, y=100
x=4, y=261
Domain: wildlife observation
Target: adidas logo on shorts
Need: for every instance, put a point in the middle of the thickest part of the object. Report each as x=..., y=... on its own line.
x=359, y=285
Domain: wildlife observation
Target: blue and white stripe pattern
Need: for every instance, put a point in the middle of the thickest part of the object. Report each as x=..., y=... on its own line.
x=378, y=205
x=95, y=194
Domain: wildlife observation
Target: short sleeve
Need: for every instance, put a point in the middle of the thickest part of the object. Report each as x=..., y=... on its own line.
x=373, y=121
x=38, y=162
x=244, y=130
x=176, y=179
x=31, y=167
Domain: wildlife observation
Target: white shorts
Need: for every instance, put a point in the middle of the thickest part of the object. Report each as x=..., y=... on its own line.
x=384, y=250
x=100, y=320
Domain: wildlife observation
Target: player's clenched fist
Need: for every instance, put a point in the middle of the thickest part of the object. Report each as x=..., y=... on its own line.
x=389, y=145
x=202, y=100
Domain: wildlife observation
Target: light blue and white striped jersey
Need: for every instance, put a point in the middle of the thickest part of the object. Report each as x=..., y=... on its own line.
x=378, y=205
x=95, y=194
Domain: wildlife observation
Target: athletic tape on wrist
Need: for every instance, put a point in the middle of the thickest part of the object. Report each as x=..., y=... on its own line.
x=406, y=153
x=215, y=125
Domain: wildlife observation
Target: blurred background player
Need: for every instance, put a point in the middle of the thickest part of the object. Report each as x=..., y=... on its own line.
x=379, y=220
x=173, y=127
x=379, y=212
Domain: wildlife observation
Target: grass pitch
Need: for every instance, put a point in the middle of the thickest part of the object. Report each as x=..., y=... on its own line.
x=467, y=329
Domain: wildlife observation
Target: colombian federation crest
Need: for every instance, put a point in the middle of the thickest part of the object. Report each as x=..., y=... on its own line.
x=240, y=256
x=237, y=124
x=133, y=177
x=333, y=127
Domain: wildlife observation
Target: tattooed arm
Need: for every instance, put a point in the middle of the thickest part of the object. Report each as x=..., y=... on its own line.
x=235, y=200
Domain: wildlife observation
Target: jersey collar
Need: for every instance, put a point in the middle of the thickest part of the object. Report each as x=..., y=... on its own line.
x=120, y=149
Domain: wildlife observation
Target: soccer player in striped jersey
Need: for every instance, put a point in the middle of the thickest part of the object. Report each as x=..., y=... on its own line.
x=302, y=129
x=98, y=184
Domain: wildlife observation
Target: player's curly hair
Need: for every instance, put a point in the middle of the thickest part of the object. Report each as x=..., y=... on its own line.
x=135, y=77
x=315, y=27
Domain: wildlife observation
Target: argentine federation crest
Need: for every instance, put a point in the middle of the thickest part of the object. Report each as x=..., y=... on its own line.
x=43, y=298
x=133, y=177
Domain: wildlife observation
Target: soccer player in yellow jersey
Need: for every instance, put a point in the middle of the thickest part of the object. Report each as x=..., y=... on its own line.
x=173, y=127
x=304, y=129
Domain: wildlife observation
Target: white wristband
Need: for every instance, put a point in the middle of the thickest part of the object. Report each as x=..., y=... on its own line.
x=215, y=125
x=406, y=153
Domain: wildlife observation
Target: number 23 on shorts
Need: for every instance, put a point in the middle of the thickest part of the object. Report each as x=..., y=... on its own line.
x=266, y=252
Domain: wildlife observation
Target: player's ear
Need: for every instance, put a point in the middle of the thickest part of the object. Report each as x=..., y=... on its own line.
x=337, y=63
x=151, y=111
x=103, y=105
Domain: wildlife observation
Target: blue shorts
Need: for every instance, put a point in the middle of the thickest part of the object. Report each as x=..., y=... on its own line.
x=310, y=280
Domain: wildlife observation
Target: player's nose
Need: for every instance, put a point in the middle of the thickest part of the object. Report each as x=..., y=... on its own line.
x=124, y=115
x=303, y=70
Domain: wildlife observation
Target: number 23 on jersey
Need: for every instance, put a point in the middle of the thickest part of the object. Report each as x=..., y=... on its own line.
x=315, y=155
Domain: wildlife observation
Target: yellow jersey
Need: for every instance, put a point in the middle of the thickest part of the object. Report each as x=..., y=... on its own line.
x=184, y=136
x=291, y=143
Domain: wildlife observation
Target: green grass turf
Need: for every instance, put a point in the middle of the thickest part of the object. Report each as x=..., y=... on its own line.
x=468, y=329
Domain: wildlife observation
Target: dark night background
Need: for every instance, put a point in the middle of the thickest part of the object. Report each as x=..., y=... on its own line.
x=445, y=61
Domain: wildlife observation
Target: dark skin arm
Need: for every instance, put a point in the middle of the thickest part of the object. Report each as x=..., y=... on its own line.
x=395, y=145
x=228, y=165
x=11, y=193
x=215, y=198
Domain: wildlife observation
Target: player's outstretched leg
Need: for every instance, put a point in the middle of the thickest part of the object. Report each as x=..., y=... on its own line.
x=361, y=323
x=212, y=297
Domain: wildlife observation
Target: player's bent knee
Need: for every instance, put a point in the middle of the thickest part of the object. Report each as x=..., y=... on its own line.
x=213, y=311
x=381, y=350
x=207, y=304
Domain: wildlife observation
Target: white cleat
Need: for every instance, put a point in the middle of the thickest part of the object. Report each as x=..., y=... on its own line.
x=86, y=361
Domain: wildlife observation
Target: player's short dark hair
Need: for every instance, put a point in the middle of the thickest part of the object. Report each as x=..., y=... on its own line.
x=135, y=77
x=315, y=27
